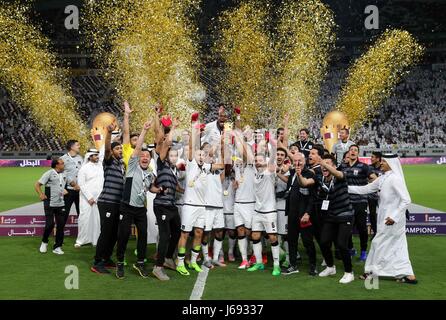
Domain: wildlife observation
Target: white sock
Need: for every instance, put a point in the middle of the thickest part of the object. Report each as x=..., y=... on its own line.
x=257, y=247
x=287, y=251
x=231, y=243
x=205, y=250
x=243, y=247
x=194, y=256
x=276, y=252
x=217, y=247
x=180, y=261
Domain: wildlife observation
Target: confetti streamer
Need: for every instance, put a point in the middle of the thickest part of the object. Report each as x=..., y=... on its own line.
x=246, y=50
x=28, y=70
x=304, y=39
x=149, y=50
x=375, y=74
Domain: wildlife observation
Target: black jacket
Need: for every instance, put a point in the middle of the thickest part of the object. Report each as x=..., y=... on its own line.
x=299, y=199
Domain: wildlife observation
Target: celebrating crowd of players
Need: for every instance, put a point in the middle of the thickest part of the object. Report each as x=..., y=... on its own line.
x=254, y=186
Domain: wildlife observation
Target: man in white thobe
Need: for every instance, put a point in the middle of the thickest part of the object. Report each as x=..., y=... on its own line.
x=389, y=256
x=90, y=180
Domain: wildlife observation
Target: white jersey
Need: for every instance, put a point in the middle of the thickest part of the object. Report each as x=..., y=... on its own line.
x=196, y=183
x=280, y=187
x=228, y=195
x=245, y=176
x=265, y=192
x=214, y=190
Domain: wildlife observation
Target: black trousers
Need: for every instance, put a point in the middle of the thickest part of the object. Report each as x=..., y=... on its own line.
x=316, y=220
x=169, y=228
x=71, y=197
x=340, y=233
x=360, y=222
x=373, y=204
x=51, y=214
x=293, y=236
x=138, y=216
x=109, y=213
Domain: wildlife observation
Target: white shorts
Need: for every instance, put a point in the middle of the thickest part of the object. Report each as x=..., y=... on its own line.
x=215, y=219
x=192, y=217
x=264, y=222
x=243, y=213
x=282, y=222
x=229, y=221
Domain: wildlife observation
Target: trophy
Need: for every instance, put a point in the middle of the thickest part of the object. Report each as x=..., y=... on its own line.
x=333, y=122
x=99, y=128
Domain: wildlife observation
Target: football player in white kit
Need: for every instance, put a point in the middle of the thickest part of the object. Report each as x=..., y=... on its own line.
x=281, y=187
x=228, y=209
x=214, y=220
x=194, y=211
x=265, y=216
x=244, y=197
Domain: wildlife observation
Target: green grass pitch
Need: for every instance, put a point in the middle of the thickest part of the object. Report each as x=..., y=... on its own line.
x=27, y=274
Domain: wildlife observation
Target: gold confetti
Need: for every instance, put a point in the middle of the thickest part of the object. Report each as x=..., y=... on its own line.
x=246, y=50
x=270, y=72
x=28, y=70
x=149, y=50
x=375, y=74
x=304, y=39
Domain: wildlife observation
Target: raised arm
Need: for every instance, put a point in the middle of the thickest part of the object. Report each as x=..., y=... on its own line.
x=107, y=142
x=159, y=133
x=369, y=188
x=304, y=182
x=126, y=129
x=141, y=137
x=166, y=144
x=336, y=173
x=285, y=130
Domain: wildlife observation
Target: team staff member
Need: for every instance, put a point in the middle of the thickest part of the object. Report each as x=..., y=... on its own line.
x=109, y=202
x=54, y=181
x=73, y=162
x=357, y=174
x=337, y=213
x=304, y=144
x=133, y=206
x=373, y=198
x=299, y=211
x=166, y=212
x=314, y=160
x=342, y=146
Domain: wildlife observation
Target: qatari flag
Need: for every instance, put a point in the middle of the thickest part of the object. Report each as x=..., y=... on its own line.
x=328, y=135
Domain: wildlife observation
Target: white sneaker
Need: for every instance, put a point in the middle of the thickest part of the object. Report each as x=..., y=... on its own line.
x=58, y=250
x=347, y=278
x=77, y=245
x=43, y=247
x=328, y=272
x=323, y=264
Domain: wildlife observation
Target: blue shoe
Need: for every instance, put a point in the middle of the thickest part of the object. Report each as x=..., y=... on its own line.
x=353, y=252
x=363, y=256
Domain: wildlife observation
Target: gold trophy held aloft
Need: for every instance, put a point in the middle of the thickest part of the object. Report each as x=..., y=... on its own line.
x=333, y=122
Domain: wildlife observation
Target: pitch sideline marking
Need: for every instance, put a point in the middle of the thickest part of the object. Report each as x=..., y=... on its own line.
x=200, y=283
